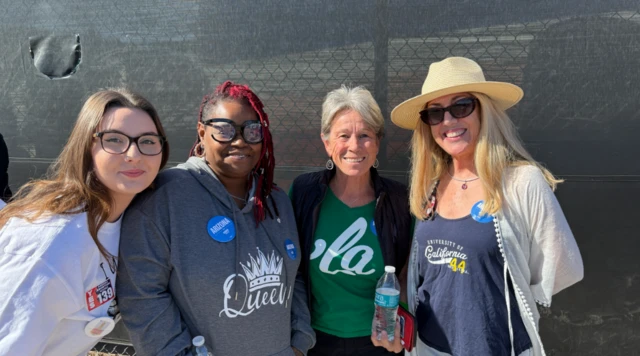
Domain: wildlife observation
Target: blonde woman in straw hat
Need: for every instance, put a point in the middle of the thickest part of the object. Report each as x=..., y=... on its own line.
x=492, y=240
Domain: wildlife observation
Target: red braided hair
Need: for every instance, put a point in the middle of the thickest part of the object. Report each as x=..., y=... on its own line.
x=229, y=91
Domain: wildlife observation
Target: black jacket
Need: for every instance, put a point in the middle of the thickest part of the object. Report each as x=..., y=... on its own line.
x=392, y=217
x=5, y=192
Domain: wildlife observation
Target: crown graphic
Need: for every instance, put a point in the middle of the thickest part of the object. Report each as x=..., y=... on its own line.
x=263, y=271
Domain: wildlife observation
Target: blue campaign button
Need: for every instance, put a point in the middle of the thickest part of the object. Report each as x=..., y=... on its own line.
x=291, y=249
x=372, y=226
x=475, y=213
x=221, y=228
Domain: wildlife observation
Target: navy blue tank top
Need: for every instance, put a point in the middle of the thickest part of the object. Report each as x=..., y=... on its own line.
x=462, y=308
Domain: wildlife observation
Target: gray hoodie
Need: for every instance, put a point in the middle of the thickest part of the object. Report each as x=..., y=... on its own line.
x=193, y=263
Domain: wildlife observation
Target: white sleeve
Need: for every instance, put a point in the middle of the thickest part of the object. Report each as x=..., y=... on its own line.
x=555, y=262
x=33, y=300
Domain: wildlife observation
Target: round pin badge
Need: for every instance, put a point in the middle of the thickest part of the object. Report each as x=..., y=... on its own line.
x=475, y=213
x=372, y=226
x=221, y=228
x=291, y=249
x=99, y=327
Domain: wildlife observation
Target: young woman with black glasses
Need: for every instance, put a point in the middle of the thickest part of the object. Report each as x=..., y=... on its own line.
x=59, y=236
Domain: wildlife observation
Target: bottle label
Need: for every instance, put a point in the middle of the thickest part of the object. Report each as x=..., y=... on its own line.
x=387, y=301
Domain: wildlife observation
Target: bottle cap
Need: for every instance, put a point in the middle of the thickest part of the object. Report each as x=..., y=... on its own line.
x=390, y=269
x=198, y=341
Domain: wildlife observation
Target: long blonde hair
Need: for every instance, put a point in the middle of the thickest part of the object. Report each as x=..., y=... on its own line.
x=71, y=186
x=498, y=147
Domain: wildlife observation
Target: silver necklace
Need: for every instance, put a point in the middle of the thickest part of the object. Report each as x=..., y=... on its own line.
x=464, y=181
x=236, y=197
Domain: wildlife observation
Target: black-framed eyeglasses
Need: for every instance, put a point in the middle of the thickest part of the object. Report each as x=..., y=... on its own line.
x=461, y=108
x=115, y=142
x=225, y=130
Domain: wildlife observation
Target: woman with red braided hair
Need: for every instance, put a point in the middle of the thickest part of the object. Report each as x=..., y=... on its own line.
x=214, y=250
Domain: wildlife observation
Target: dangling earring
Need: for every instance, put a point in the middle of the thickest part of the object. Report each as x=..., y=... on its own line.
x=329, y=165
x=376, y=164
x=199, y=150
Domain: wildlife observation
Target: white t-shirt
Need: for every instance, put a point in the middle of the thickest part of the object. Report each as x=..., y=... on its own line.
x=53, y=282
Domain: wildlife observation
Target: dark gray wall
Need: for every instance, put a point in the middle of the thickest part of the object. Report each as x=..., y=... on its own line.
x=576, y=60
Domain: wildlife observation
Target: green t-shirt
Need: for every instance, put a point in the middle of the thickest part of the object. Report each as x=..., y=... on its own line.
x=346, y=263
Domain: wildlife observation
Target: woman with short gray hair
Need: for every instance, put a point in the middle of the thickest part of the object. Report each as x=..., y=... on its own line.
x=351, y=223
x=357, y=99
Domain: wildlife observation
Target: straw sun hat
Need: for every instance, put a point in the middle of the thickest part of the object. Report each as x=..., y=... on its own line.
x=449, y=76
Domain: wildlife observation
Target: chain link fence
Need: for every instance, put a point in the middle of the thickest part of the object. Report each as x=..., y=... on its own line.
x=576, y=62
x=165, y=55
x=112, y=349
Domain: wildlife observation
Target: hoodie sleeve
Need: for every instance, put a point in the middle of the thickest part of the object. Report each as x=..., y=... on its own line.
x=5, y=192
x=302, y=335
x=146, y=304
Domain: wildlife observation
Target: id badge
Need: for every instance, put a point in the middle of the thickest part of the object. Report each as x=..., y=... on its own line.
x=99, y=295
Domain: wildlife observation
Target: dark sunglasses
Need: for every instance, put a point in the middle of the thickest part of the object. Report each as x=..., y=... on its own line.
x=225, y=130
x=460, y=109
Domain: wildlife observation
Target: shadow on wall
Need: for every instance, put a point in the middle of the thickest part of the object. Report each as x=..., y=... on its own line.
x=581, y=110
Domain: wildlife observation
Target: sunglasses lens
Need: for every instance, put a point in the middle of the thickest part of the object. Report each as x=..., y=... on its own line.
x=252, y=133
x=432, y=116
x=462, y=108
x=459, y=109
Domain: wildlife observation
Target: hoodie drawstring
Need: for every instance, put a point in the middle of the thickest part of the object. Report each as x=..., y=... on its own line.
x=236, y=247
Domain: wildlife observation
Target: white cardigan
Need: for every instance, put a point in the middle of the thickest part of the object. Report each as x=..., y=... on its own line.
x=540, y=253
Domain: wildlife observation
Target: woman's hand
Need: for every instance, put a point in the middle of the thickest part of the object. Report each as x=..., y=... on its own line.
x=395, y=346
x=297, y=352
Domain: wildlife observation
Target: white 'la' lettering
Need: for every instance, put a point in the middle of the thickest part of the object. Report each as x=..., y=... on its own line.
x=345, y=244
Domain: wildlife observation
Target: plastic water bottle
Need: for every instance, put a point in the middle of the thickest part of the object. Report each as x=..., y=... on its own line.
x=198, y=347
x=387, y=299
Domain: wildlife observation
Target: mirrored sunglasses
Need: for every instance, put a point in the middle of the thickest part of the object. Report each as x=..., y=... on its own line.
x=225, y=130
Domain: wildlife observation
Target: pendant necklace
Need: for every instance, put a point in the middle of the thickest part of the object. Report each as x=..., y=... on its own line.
x=464, y=181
